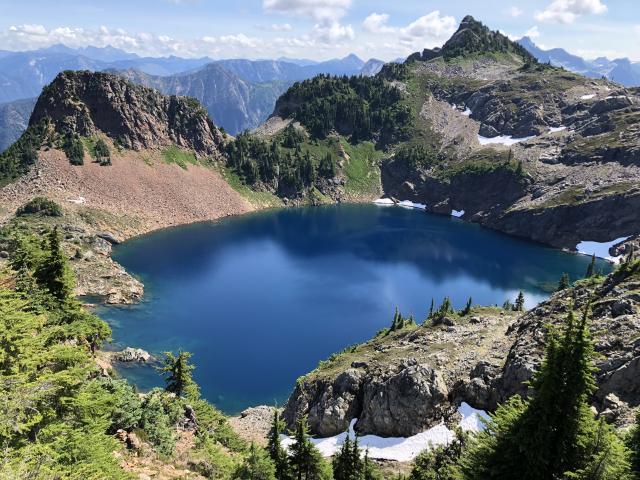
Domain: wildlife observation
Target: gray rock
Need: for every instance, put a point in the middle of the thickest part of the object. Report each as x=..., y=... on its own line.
x=133, y=355
x=4, y=254
x=109, y=237
x=403, y=404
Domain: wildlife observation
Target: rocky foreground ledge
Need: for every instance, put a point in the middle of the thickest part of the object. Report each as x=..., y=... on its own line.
x=410, y=380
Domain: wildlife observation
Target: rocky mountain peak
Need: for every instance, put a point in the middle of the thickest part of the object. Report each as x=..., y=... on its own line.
x=137, y=117
x=474, y=38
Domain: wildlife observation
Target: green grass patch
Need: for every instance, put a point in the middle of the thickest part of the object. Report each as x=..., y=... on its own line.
x=362, y=169
x=262, y=199
x=180, y=157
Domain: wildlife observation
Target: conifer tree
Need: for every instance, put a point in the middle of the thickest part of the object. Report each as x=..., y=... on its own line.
x=431, y=309
x=305, y=460
x=563, y=284
x=257, y=466
x=467, y=308
x=274, y=446
x=591, y=269
x=633, y=442
x=53, y=272
x=177, y=371
x=519, y=305
x=554, y=435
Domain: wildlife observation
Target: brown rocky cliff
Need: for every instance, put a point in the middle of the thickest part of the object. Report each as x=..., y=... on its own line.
x=86, y=103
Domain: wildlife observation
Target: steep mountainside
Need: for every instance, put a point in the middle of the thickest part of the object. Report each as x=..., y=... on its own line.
x=522, y=147
x=14, y=119
x=233, y=103
x=136, y=117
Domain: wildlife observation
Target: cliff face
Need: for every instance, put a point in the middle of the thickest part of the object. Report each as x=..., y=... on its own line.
x=136, y=117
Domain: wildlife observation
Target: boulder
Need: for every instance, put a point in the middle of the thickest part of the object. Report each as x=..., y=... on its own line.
x=130, y=354
x=403, y=403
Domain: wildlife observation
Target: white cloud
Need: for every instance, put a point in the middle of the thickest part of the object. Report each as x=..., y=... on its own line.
x=377, y=23
x=427, y=31
x=566, y=11
x=281, y=27
x=533, y=32
x=333, y=32
x=514, y=12
x=321, y=10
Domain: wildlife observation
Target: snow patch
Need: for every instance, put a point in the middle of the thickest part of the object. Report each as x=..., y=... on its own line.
x=467, y=112
x=588, y=97
x=400, y=449
x=600, y=249
x=410, y=204
x=502, y=139
x=557, y=129
x=384, y=201
x=77, y=201
x=457, y=213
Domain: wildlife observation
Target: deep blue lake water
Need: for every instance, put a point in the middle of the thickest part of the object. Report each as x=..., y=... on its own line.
x=260, y=299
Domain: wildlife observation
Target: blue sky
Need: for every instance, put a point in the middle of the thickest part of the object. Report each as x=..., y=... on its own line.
x=317, y=29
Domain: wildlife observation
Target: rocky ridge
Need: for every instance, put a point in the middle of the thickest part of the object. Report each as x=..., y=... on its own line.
x=546, y=147
x=416, y=378
x=405, y=382
x=136, y=117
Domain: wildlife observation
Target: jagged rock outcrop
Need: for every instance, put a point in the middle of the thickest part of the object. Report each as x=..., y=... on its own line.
x=615, y=326
x=404, y=383
x=136, y=117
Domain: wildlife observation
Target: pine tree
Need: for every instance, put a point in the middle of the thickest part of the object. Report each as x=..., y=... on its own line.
x=633, y=442
x=563, y=284
x=519, y=305
x=306, y=461
x=554, y=435
x=467, y=308
x=257, y=466
x=591, y=269
x=431, y=309
x=53, y=272
x=177, y=371
x=276, y=452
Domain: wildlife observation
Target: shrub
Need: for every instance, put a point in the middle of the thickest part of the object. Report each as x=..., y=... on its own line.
x=40, y=206
x=74, y=150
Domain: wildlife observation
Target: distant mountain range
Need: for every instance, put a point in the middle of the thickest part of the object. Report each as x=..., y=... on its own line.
x=239, y=94
x=620, y=70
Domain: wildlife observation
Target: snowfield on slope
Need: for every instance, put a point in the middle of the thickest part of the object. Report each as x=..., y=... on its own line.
x=400, y=449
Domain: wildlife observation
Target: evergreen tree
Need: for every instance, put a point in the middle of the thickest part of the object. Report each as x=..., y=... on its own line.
x=440, y=463
x=276, y=452
x=53, y=272
x=467, y=308
x=257, y=466
x=102, y=153
x=519, y=305
x=431, y=309
x=633, y=442
x=591, y=269
x=177, y=371
x=564, y=282
x=306, y=461
x=554, y=435
x=350, y=464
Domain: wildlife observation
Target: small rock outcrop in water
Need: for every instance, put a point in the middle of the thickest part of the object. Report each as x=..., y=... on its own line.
x=133, y=355
x=137, y=117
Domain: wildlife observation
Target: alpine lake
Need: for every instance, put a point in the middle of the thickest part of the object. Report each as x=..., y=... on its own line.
x=260, y=299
